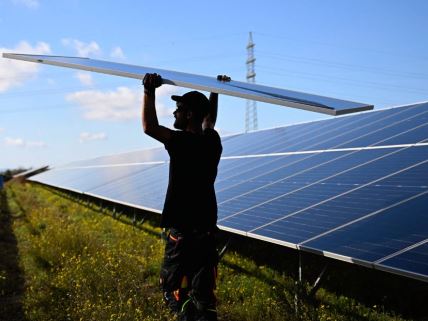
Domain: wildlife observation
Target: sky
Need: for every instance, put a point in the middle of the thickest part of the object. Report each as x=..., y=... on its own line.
x=373, y=52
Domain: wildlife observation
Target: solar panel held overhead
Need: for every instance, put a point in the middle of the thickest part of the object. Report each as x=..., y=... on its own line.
x=278, y=96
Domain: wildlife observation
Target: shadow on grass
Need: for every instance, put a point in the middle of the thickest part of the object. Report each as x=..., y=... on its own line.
x=11, y=276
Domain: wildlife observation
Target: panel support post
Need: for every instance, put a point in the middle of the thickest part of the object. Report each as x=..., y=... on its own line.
x=317, y=282
x=134, y=217
x=303, y=294
x=222, y=252
x=298, y=286
x=143, y=219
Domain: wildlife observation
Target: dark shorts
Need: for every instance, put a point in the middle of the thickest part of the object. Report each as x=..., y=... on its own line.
x=189, y=270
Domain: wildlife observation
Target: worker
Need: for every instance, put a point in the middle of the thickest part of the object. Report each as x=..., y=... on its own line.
x=189, y=268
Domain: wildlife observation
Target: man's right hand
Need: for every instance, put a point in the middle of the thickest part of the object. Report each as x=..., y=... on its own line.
x=151, y=82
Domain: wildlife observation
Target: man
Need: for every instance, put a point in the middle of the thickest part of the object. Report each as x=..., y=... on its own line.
x=189, y=269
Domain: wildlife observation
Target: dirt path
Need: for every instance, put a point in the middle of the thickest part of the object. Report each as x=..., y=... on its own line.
x=11, y=276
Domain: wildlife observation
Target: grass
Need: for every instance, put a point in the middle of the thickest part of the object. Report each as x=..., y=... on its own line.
x=66, y=261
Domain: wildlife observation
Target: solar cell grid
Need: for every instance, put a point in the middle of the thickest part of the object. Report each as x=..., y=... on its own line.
x=148, y=155
x=230, y=169
x=256, y=144
x=379, y=235
x=145, y=188
x=294, y=201
x=390, y=130
x=342, y=210
x=90, y=178
x=412, y=262
x=290, y=179
x=60, y=178
x=263, y=173
x=409, y=136
x=394, y=161
x=290, y=138
x=355, y=135
x=345, y=132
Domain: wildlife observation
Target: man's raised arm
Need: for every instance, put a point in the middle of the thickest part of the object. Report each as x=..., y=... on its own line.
x=211, y=118
x=149, y=117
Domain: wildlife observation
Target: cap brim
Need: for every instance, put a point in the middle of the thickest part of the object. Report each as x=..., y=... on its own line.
x=177, y=98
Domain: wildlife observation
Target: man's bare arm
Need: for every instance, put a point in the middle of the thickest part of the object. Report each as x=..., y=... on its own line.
x=149, y=117
x=211, y=118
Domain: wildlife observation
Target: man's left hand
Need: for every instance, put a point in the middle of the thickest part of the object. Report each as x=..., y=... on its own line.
x=151, y=82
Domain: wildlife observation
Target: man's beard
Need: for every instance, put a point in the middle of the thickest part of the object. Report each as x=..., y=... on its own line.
x=178, y=125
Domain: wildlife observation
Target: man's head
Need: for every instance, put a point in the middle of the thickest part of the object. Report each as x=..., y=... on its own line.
x=191, y=106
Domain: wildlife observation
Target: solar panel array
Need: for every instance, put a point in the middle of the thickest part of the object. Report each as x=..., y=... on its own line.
x=354, y=188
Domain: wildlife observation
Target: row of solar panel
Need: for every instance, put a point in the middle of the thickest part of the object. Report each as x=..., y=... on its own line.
x=307, y=207
x=387, y=127
x=306, y=200
x=297, y=199
x=405, y=125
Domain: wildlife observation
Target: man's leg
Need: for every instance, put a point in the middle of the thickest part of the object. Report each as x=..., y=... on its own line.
x=173, y=281
x=202, y=294
x=204, y=279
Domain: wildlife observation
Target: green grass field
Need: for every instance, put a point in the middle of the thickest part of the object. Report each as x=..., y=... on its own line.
x=61, y=260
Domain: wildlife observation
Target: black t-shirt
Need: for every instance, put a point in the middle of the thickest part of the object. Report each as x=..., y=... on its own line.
x=190, y=202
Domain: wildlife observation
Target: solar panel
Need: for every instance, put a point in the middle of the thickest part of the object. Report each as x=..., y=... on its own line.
x=316, y=103
x=400, y=125
x=153, y=155
x=341, y=202
x=411, y=262
x=130, y=190
x=86, y=178
x=382, y=233
x=353, y=188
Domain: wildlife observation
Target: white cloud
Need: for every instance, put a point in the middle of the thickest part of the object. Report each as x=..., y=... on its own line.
x=37, y=144
x=121, y=104
x=19, y=142
x=82, y=49
x=84, y=137
x=14, y=72
x=117, y=52
x=85, y=78
x=32, y=4
x=51, y=81
x=16, y=142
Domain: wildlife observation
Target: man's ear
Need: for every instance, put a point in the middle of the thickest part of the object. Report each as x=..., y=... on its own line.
x=189, y=114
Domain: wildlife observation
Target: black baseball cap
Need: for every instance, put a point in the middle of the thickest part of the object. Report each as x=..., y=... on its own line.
x=194, y=101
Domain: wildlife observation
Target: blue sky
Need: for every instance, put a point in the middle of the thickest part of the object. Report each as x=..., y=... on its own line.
x=367, y=51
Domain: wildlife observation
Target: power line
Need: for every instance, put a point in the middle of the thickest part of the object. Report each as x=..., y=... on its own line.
x=340, y=65
x=350, y=48
x=370, y=84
